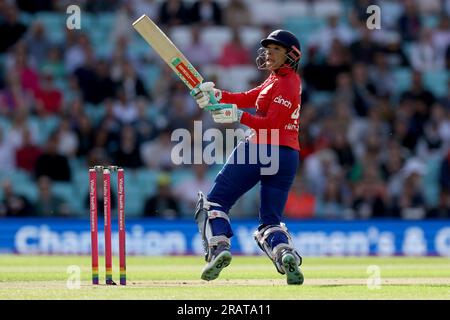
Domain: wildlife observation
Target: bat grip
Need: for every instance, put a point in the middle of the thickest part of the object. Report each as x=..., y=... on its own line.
x=219, y=106
x=212, y=98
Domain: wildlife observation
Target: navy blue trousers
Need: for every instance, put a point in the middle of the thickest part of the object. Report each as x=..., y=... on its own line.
x=241, y=173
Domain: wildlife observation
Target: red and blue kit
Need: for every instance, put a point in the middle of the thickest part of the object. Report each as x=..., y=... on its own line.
x=277, y=103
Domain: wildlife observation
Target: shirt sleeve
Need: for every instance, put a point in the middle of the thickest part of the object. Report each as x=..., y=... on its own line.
x=242, y=99
x=279, y=112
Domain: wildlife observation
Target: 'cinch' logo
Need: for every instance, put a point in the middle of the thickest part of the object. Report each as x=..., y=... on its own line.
x=283, y=102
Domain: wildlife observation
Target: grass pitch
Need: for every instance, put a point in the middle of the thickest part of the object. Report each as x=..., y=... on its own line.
x=247, y=278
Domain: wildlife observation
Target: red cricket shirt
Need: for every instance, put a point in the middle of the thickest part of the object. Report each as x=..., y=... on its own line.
x=277, y=102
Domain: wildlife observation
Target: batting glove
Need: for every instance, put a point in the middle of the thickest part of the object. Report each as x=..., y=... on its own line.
x=205, y=94
x=225, y=113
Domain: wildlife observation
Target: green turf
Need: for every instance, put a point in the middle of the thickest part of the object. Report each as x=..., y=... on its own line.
x=46, y=277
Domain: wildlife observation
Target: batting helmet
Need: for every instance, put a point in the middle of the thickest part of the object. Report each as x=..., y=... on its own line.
x=289, y=41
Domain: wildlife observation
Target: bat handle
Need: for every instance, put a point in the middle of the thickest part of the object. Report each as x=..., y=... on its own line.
x=218, y=106
x=212, y=98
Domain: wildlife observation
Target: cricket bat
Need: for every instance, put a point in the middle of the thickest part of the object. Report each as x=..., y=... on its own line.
x=165, y=48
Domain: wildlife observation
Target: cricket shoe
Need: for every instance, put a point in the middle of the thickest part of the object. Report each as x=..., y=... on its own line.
x=221, y=258
x=291, y=268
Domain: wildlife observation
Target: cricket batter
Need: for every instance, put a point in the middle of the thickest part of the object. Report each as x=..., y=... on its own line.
x=275, y=125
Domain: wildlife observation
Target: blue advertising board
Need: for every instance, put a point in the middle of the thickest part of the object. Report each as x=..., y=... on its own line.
x=179, y=237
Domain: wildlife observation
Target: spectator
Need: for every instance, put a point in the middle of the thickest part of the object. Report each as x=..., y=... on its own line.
x=236, y=14
x=370, y=197
x=393, y=51
x=124, y=109
x=28, y=75
x=14, y=204
x=442, y=210
x=363, y=49
x=149, y=7
x=431, y=7
x=301, y=202
x=392, y=162
x=49, y=98
x=403, y=133
x=199, y=181
x=124, y=18
x=127, y=154
x=163, y=204
x=359, y=9
x=131, y=83
x=48, y=204
x=53, y=64
x=430, y=145
x=206, y=13
x=344, y=89
x=145, y=127
x=27, y=154
x=444, y=173
x=73, y=90
x=410, y=204
x=441, y=36
x=376, y=125
x=120, y=55
x=306, y=138
x=409, y=22
x=441, y=117
x=11, y=28
x=20, y=124
x=12, y=97
x=363, y=90
x=97, y=156
x=331, y=204
x=53, y=164
x=173, y=13
x=447, y=57
x=36, y=40
x=343, y=151
x=324, y=76
x=86, y=77
x=234, y=52
x=318, y=167
x=425, y=56
x=85, y=135
x=179, y=116
x=333, y=30
x=418, y=92
x=110, y=123
x=6, y=153
x=197, y=51
x=445, y=101
x=67, y=139
x=78, y=51
x=338, y=61
x=156, y=154
x=381, y=76
x=102, y=86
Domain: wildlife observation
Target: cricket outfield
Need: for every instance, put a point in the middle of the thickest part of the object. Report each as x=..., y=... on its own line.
x=154, y=278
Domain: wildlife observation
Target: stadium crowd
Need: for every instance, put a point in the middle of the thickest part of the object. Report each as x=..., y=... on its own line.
x=374, y=123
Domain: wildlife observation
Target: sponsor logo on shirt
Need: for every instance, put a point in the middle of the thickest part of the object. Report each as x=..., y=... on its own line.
x=291, y=126
x=283, y=102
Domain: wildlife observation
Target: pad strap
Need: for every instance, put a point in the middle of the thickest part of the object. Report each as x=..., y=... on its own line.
x=274, y=253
